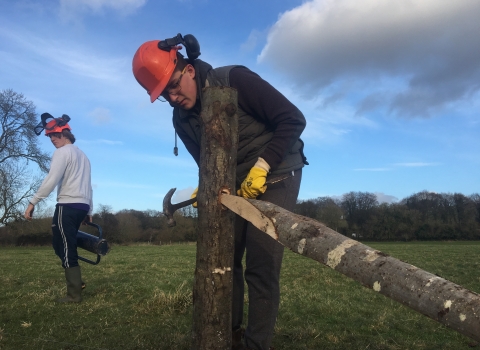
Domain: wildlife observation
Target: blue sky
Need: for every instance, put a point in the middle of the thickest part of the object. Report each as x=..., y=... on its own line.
x=389, y=88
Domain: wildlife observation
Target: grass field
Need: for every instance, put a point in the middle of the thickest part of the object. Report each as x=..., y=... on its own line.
x=139, y=297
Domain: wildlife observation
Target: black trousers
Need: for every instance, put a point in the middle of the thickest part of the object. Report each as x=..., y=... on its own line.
x=65, y=224
x=262, y=271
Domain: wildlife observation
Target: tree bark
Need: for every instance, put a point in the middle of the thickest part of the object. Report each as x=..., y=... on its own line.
x=212, y=295
x=431, y=295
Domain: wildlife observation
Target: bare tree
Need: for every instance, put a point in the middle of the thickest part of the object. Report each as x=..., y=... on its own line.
x=107, y=220
x=330, y=213
x=358, y=208
x=16, y=186
x=476, y=199
x=18, y=141
x=18, y=148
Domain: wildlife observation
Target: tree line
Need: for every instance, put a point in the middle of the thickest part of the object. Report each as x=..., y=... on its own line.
x=126, y=226
x=422, y=216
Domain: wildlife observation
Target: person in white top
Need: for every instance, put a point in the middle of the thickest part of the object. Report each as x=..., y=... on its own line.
x=70, y=172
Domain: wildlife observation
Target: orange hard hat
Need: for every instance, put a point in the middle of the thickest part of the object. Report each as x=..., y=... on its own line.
x=153, y=67
x=53, y=126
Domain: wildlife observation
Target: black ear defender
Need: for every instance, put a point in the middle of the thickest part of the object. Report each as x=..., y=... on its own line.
x=189, y=41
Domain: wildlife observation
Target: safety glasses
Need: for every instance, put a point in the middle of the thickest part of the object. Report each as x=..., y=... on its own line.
x=173, y=89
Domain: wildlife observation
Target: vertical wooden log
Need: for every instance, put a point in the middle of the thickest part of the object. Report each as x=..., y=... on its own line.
x=212, y=295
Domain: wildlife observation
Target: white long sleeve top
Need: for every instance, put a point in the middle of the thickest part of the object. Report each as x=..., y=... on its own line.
x=70, y=172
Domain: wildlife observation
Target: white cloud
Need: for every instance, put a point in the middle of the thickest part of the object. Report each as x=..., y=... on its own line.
x=182, y=195
x=412, y=58
x=126, y=185
x=407, y=165
x=385, y=198
x=174, y=162
x=332, y=123
x=371, y=169
x=69, y=9
x=60, y=55
x=110, y=142
x=416, y=164
x=101, y=116
x=101, y=141
x=252, y=41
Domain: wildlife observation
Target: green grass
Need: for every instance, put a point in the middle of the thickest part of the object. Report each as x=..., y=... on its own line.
x=139, y=297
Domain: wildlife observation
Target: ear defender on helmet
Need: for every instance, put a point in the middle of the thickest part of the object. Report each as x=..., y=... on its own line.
x=189, y=41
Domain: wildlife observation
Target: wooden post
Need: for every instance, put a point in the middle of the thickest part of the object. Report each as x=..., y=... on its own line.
x=431, y=295
x=212, y=295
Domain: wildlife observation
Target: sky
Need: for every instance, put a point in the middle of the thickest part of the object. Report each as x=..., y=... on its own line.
x=390, y=89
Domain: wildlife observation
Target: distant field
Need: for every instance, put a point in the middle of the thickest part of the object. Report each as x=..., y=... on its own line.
x=139, y=297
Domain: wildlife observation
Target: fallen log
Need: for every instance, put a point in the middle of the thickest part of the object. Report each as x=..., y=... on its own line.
x=426, y=293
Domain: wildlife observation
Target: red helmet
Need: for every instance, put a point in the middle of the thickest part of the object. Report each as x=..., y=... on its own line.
x=53, y=126
x=153, y=67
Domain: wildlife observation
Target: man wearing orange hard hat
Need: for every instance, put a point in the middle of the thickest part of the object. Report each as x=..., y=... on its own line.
x=70, y=173
x=270, y=152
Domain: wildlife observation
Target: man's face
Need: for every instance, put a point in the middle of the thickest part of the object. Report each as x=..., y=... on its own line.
x=58, y=139
x=181, y=90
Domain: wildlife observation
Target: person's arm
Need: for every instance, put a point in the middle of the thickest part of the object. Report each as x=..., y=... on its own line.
x=87, y=219
x=261, y=100
x=55, y=175
x=29, y=211
x=91, y=202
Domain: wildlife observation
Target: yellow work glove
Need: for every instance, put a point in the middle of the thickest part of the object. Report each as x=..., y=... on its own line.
x=194, y=195
x=254, y=183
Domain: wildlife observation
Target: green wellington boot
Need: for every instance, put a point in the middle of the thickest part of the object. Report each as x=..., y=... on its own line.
x=74, y=285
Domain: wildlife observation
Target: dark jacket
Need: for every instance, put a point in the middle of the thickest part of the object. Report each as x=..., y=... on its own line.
x=269, y=126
